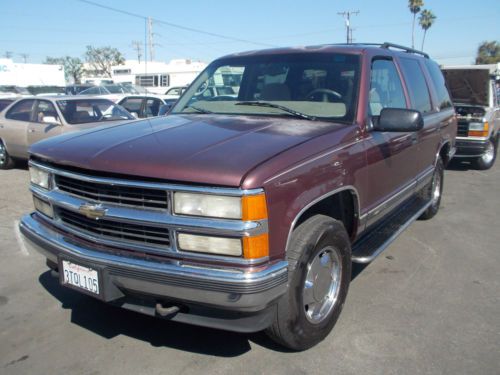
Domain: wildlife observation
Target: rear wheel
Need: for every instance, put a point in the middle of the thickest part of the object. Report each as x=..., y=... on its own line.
x=6, y=161
x=319, y=275
x=434, y=191
x=487, y=160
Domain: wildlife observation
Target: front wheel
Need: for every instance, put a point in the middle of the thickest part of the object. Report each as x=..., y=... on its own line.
x=6, y=161
x=487, y=160
x=319, y=275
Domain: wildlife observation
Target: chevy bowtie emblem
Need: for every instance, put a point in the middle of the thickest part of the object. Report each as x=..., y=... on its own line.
x=93, y=211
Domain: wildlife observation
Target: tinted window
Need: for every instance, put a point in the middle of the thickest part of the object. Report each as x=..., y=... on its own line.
x=386, y=90
x=443, y=96
x=152, y=107
x=45, y=109
x=21, y=111
x=132, y=105
x=4, y=103
x=417, y=87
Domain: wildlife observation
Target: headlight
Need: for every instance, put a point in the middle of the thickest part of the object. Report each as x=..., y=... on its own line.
x=207, y=205
x=252, y=207
x=210, y=245
x=39, y=177
x=478, y=129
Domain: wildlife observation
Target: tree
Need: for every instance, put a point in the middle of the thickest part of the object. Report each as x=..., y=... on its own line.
x=73, y=67
x=488, y=53
x=426, y=20
x=415, y=6
x=102, y=59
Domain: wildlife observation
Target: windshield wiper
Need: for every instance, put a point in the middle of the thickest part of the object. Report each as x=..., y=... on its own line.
x=277, y=106
x=198, y=109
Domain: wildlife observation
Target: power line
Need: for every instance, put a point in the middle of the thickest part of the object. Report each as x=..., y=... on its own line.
x=136, y=15
x=347, y=17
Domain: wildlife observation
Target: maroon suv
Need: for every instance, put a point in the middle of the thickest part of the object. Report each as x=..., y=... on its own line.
x=245, y=211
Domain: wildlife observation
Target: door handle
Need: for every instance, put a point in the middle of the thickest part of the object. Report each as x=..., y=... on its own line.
x=31, y=130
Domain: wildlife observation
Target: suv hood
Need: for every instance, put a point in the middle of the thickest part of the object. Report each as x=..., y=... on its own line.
x=205, y=149
x=468, y=86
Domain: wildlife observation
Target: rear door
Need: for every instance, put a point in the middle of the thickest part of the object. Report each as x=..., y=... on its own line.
x=420, y=98
x=14, y=127
x=46, y=122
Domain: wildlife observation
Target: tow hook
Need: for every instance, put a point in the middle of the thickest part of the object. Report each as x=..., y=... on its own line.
x=166, y=311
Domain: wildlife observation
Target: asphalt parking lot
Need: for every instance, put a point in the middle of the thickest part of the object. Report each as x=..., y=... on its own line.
x=429, y=304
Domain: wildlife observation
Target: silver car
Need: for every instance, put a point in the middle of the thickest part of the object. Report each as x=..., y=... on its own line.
x=32, y=119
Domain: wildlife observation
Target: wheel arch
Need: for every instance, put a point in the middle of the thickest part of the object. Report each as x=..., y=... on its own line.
x=341, y=204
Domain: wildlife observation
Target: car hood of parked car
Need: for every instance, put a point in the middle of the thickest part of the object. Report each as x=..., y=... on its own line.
x=207, y=149
x=468, y=86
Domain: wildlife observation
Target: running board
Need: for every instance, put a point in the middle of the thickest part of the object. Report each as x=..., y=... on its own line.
x=368, y=247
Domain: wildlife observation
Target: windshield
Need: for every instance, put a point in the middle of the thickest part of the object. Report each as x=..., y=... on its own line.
x=307, y=85
x=92, y=110
x=115, y=89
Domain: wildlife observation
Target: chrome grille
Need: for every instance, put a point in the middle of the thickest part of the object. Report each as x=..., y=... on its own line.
x=463, y=129
x=114, y=230
x=113, y=194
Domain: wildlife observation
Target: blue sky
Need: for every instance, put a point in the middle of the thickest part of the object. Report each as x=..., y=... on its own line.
x=65, y=27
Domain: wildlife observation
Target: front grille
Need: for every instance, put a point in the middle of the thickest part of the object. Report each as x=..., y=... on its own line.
x=116, y=231
x=113, y=194
x=463, y=129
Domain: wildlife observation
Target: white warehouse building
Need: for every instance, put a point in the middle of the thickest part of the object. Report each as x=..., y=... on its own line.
x=24, y=75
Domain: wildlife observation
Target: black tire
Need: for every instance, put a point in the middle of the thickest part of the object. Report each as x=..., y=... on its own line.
x=487, y=160
x=310, y=241
x=6, y=162
x=434, y=192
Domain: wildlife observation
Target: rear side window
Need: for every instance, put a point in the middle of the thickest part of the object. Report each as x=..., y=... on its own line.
x=443, y=96
x=21, y=111
x=415, y=80
x=386, y=90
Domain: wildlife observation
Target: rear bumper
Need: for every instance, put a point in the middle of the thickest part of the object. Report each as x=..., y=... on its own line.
x=229, y=298
x=470, y=148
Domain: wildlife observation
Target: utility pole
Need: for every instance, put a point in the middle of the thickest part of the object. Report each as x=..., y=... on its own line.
x=347, y=17
x=7, y=54
x=137, y=46
x=24, y=56
x=150, y=39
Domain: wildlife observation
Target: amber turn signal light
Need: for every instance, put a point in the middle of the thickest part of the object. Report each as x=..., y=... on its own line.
x=256, y=247
x=254, y=207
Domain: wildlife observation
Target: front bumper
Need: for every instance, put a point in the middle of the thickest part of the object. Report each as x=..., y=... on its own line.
x=468, y=148
x=236, y=299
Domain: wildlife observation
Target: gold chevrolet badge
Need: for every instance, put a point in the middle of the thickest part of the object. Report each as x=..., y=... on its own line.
x=92, y=211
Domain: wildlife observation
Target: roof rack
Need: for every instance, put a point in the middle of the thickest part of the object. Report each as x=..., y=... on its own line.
x=388, y=45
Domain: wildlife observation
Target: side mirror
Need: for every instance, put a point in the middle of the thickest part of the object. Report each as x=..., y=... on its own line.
x=164, y=108
x=51, y=120
x=399, y=120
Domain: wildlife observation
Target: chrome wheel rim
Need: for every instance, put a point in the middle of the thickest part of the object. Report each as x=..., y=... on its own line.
x=489, y=154
x=436, y=189
x=322, y=284
x=3, y=154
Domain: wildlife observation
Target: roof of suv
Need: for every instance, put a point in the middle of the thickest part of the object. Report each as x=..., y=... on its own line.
x=348, y=48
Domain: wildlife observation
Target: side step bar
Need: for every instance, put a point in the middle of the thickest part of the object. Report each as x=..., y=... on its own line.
x=368, y=247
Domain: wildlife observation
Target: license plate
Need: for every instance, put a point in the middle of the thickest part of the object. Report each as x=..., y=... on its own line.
x=80, y=277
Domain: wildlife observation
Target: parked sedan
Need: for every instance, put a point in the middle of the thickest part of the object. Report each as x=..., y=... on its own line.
x=142, y=106
x=32, y=119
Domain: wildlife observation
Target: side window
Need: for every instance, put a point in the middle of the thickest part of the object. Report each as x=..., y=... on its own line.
x=417, y=88
x=386, y=90
x=21, y=111
x=152, y=107
x=443, y=96
x=45, y=112
x=133, y=105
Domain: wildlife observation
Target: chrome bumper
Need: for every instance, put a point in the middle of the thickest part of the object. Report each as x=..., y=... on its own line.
x=229, y=288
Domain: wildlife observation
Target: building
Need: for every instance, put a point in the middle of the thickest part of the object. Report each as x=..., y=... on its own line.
x=24, y=75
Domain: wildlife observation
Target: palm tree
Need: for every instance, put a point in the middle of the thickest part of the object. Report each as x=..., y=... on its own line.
x=415, y=6
x=426, y=20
